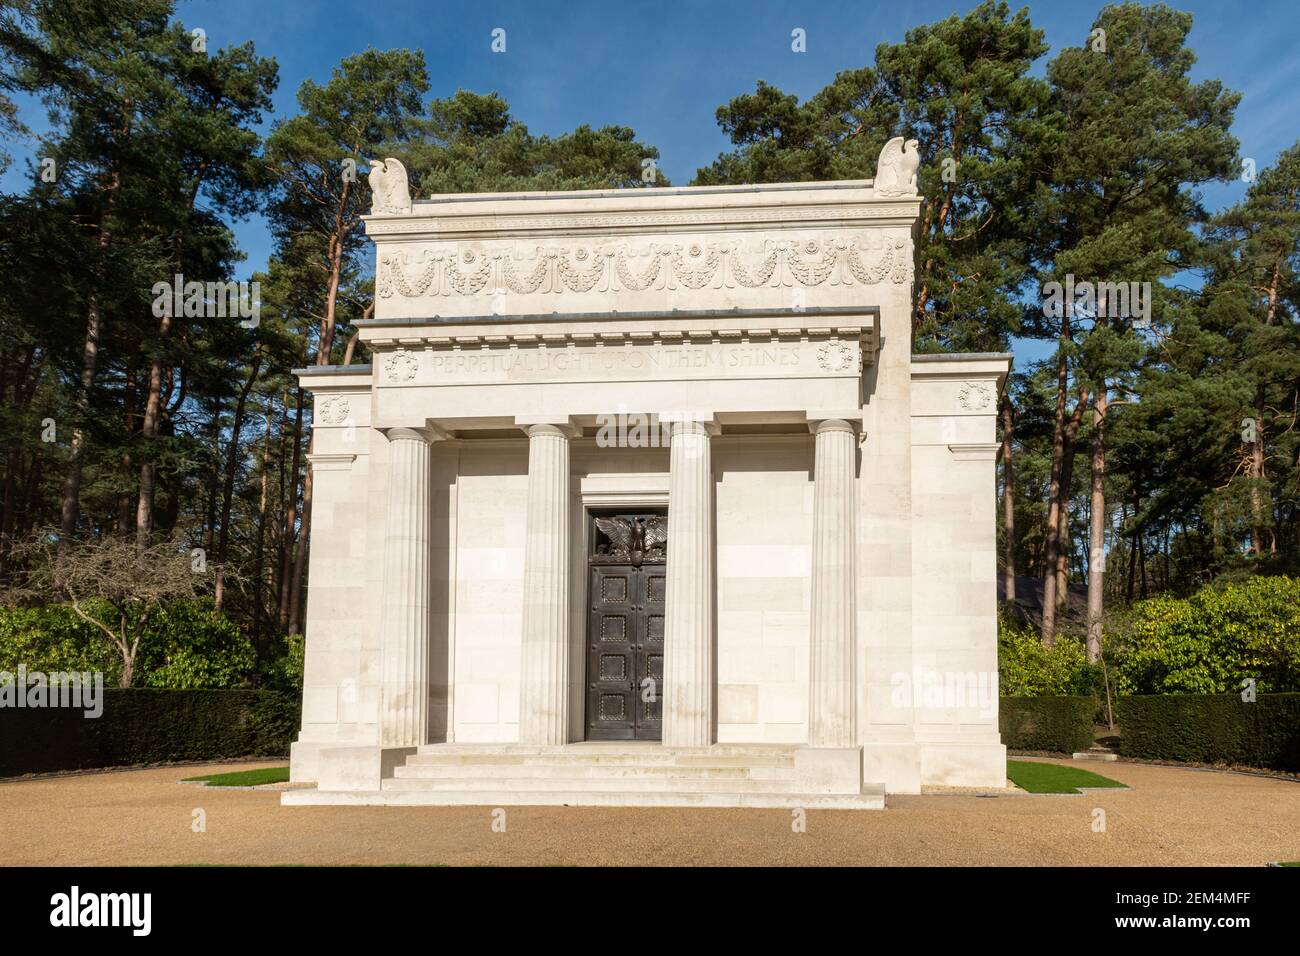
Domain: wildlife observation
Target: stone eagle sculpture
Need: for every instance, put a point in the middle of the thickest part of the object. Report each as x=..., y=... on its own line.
x=896, y=168
x=389, y=192
x=635, y=539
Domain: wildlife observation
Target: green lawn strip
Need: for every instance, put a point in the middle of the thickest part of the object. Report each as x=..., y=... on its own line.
x=243, y=778
x=1052, y=778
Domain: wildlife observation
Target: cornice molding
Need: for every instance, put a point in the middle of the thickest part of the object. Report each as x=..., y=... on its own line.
x=491, y=337
x=454, y=224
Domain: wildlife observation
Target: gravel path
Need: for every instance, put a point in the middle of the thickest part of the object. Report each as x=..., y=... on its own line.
x=1171, y=817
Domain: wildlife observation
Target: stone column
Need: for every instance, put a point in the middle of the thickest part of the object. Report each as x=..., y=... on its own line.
x=688, y=611
x=544, y=671
x=404, y=697
x=831, y=655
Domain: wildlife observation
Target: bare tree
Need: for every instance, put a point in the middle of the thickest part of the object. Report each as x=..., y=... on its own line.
x=109, y=584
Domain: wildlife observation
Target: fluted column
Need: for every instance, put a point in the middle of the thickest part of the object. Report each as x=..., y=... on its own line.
x=544, y=678
x=404, y=698
x=830, y=663
x=688, y=611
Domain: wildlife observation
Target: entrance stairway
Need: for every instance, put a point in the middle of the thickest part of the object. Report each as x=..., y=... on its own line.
x=599, y=774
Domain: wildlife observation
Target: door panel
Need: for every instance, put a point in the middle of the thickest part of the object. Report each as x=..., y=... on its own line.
x=625, y=645
x=650, y=654
x=611, y=655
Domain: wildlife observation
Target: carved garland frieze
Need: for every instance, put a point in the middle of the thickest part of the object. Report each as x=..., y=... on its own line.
x=612, y=268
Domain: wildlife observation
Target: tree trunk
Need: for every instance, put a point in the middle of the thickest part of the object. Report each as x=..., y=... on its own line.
x=1142, y=567
x=1057, y=558
x=1097, y=526
x=1133, y=551
x=228, y=491
x=259, y=560
x=211, y=517
x=1064, y=541
x=1051, y=539
x=1261, y=523
x=290, y=522
x=1008, y=503
x=1261, y=516
x=71, y=511
x=149, y=431
x=300, y=556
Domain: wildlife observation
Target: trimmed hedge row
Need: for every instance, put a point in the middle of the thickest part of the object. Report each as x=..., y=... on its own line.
x=1213, y=728
x=141, y=726
x=1058, y=724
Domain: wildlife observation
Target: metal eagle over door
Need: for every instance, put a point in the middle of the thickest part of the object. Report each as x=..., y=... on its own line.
x=625, y=631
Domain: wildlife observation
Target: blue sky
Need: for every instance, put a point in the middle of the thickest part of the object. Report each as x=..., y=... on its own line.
x=663, y=68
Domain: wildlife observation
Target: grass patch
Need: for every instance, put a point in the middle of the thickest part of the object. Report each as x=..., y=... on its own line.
x=1052, y=778
x=244, y=778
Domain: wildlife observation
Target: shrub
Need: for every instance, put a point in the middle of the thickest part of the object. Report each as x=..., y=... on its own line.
x=284, y=671
x=183, y=644
x=1057, y=724
x=1028, y=669
x=188, y=645
x=51, y=638
x=1213, y=729
x=1210, y=642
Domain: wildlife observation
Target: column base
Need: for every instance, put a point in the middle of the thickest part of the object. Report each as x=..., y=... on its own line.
x=828, y=770
x=896, y=765
x=358, y=768
x=958, y=764
x=304, y=760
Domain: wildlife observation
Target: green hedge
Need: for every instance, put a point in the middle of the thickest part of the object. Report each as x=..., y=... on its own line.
x=1219, y=728
x=141, y=726
x=1058, y=724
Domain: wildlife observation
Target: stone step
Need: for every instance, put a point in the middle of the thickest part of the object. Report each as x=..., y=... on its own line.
x=622, y=784
x=872, y=797
x=589, y=771
x=1107, y=756
x=622, y=747
x=610, y=759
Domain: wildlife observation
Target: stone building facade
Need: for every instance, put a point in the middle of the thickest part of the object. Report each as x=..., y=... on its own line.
x=645, y=500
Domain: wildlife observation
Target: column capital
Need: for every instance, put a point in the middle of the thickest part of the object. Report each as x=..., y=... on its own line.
x=685, y=422
x=426, y=433
x=548, y=424
x=834, y=420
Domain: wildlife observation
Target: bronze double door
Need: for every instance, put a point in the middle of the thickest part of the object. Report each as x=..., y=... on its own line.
x=625, y=631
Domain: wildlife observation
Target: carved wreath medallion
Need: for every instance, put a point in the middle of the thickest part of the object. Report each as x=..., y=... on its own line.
x=401, y=366
x=334, y=410
x=975, y=396
x=835, y=357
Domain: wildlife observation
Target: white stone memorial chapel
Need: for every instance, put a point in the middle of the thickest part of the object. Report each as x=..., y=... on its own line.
x=645, y=500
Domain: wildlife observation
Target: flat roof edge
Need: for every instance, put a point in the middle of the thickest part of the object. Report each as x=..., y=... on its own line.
x=334, y=370
x=962, y=356
x=870, y=310
x=642, y=191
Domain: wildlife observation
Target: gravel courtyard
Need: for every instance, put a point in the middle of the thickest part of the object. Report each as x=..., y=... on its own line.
x=1171, y=817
